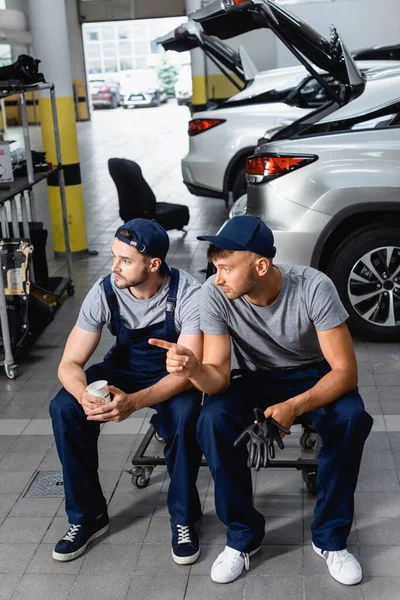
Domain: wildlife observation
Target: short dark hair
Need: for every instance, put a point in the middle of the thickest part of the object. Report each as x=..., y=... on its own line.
x=125, y=233
x=214, y=252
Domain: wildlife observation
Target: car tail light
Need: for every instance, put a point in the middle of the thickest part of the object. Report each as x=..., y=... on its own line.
x=197, y=126
x=105, y=90
x=229, y=3
x=261, y=168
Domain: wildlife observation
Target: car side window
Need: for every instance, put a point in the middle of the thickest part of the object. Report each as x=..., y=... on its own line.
x=311, y=94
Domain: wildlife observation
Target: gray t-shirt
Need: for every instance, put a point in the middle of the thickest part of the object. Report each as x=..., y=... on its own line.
x=283, y=334
x=94, y=313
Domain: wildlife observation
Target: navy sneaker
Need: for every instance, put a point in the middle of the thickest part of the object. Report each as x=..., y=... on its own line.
x=78, y=538
x=185, y=544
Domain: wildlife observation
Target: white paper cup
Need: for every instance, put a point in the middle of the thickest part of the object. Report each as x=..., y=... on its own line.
x=98, y=388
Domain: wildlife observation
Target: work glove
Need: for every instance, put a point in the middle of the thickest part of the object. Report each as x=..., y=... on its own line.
x=260, y=438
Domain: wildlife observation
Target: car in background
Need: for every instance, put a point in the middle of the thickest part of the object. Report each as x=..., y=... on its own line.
x=328, y=185
x=142, y=87
x=221, y=139
x=183, y=86
x=378, y=53
x=104, y=90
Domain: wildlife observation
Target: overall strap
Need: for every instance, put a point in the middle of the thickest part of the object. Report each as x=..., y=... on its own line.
x=113, y=305
x=171, y=305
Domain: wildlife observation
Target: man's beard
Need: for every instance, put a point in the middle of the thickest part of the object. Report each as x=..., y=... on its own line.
x=245, y=289
x=122, y=283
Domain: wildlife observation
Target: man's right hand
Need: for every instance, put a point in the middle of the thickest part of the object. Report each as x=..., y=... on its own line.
x=180, y=361
x=89, y=402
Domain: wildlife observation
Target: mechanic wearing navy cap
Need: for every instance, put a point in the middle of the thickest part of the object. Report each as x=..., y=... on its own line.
x=291, y=354
x=142, y=298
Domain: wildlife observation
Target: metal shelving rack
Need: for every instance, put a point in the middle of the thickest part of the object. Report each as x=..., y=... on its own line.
x=22, y=190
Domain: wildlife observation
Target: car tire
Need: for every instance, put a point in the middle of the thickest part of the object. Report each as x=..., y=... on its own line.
x=239, y=187
x=377, y=316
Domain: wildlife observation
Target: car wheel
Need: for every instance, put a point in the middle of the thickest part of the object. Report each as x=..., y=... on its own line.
x=366, y=271
x=239, y=187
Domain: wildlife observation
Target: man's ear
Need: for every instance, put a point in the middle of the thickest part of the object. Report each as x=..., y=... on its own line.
x=262, y=265
x=155, y=264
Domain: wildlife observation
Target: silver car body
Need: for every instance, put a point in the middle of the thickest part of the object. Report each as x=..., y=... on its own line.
x=338, y=209
x=298, y=206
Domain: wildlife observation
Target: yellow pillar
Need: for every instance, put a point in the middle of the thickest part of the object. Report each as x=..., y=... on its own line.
x=199, y=80
x=50, y=43
x=81, y=100
x=72, y=174
x=13, y=110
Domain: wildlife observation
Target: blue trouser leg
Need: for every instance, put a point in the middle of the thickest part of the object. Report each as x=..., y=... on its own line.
x=175, y=422
x=343, y=426
x=222, y=418
x=76, y=441
x=77, y=438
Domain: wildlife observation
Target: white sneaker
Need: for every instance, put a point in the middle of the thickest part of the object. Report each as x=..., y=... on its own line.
x=230, y=564
x=342, y=565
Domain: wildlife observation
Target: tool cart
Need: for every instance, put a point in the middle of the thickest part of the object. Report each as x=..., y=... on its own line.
x=17, y=212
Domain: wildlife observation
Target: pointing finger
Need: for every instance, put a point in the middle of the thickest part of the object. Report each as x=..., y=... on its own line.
x=161, y=343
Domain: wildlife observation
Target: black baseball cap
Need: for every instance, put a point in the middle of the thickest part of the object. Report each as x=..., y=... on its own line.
x=244, y=233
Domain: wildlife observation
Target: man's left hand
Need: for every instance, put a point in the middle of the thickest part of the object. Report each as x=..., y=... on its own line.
x=119, y=409
x=283, y=413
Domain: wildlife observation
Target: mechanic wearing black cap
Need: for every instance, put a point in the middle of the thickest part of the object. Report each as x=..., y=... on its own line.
x=282, y=331
x=142, y=298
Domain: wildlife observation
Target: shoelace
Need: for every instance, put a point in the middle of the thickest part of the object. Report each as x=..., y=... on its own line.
x=232, y=555
x=71, y=533
x=339, y=556
x=183, y=534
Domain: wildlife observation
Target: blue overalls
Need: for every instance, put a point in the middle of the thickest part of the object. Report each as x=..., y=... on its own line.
x=343, y=426
x=131, y=365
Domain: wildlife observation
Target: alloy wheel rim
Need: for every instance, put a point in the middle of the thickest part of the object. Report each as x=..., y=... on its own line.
x=374, y=286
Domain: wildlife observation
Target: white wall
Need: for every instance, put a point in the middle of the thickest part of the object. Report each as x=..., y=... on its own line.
x=75, y=41
x=361, y=23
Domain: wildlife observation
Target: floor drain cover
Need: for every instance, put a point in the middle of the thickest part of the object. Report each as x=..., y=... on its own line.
x=46, y=484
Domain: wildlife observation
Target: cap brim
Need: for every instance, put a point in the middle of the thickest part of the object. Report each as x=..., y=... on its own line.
x=220, y=241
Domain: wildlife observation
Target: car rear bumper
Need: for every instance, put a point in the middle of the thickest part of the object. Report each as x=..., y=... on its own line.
x=205, y=171
x=202, y=191
x=102, y=102
x=139, y=100
x=296, y=228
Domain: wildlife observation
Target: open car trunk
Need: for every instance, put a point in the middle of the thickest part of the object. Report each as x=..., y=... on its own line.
x=190, y=35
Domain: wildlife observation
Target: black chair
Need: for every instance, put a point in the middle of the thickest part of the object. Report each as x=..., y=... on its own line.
x=137, y=199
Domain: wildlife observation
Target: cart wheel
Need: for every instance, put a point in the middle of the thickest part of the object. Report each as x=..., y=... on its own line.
x=159, y=438
x=310, y=479
x=141, y=476
x=140, y=481
x=307, y=440
x=70, y=290
x=10, y=371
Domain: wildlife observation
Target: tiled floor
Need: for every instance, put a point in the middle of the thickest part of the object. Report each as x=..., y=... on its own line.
x=133, y=561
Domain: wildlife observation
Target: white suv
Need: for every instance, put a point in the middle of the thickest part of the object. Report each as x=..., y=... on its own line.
x=222, y=138
x=329, y=184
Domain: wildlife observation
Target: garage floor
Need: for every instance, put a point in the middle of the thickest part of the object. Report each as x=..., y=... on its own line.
x=134, y=560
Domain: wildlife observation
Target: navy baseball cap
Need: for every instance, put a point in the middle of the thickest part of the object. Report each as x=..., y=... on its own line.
x=244, y=233
x=147, y=236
